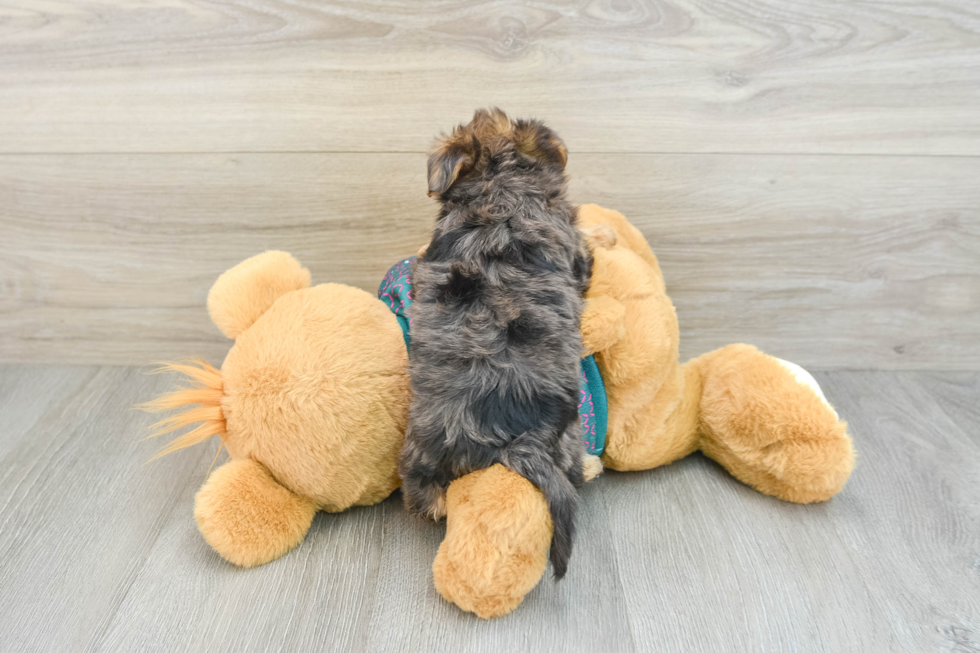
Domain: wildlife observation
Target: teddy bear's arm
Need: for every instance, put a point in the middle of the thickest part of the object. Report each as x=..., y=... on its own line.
x=602, y=324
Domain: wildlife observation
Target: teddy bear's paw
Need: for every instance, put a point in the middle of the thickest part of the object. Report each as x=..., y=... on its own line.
x=599, y=235
x=767, y=422
x=591, y=467
x=247, y=517
x=806, y=379
x=603, y=324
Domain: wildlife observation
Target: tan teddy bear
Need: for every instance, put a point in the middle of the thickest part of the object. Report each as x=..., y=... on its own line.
x=312, y=402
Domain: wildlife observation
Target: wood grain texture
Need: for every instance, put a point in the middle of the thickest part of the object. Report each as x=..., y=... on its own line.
x=889, y=564
x=913, y=505
x=829, y=261
x=78, y=510
x=317, y=599
x=100, y=552
x=33, y=392
x=588, y=614
x=881, y=76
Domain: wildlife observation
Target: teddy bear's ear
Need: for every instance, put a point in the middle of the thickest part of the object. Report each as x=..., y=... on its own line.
x=246, y=291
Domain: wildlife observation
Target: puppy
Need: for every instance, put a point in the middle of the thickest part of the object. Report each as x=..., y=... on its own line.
x=495, y=322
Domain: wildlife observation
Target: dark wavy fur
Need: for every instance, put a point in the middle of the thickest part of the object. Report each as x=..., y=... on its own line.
x=495, y=322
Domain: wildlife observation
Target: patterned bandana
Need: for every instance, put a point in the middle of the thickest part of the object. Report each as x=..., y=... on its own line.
x=396, y=292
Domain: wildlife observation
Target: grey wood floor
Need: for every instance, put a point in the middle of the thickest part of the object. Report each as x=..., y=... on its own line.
x=99, y=551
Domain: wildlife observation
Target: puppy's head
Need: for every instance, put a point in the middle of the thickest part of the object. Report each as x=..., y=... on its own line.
x=467, y=152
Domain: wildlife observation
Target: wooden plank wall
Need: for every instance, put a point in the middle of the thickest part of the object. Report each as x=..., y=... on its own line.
x=808, y=172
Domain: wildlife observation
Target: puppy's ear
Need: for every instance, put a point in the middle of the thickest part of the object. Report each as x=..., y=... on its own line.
x=539, y=142
x=451, y=159
x=489, y=122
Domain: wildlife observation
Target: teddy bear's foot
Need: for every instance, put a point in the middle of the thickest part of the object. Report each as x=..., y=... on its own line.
x=247, y=517
x=768, y=423
x=498, y=531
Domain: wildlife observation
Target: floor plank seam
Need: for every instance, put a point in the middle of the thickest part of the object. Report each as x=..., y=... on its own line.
x=616, y=565
x=368, y=602
x=691, y=559
x=97, y=642
x=61, y=409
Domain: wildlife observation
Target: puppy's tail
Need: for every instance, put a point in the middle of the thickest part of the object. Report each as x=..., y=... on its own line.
x=562, y=501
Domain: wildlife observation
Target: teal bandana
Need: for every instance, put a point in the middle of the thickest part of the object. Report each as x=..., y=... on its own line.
x=396, y=292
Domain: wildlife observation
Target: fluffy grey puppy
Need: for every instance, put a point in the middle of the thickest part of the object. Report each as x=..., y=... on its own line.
x=495, y=322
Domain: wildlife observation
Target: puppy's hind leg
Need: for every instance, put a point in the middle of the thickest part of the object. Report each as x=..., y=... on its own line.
x=421, y=491
x=578, y=466
x=591, y=467
x=427, y=500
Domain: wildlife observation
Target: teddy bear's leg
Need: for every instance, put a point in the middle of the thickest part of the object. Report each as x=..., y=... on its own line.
x=247, y=517
x=498, y=531
x=768, y=423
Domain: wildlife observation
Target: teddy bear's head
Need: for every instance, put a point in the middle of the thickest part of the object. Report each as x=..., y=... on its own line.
x=311, y=403
x=315, y=387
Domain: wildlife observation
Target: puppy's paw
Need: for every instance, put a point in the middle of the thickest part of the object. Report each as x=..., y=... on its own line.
x=599, y=235
x=437, y=511
x=423, y=249
x=591, y=467
x=426, y=502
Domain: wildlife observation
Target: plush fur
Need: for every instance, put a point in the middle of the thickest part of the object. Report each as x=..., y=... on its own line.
x=494, y=510
x=739, y=406
x=248, y=517
x=311, y=404
x=495, y=322
x=246, y=291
